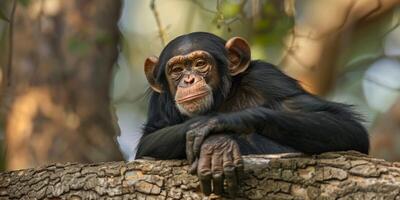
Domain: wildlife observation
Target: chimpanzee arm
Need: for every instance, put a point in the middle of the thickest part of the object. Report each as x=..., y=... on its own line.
x=165, y=143
x=289, y=116
x=304, y=122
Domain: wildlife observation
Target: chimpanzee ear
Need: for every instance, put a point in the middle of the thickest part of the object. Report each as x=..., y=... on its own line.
x=239, y=55
x=150, y=69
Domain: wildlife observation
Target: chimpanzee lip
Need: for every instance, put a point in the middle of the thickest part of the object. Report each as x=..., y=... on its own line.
x=191, y=97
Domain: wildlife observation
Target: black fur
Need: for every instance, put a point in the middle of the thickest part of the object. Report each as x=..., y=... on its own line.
x=289, y=119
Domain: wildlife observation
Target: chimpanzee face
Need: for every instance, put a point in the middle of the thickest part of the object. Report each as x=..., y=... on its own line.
x=191, y=79
x=192, y=70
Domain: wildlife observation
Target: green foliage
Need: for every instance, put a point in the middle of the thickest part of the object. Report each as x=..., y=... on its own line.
x=3, y=16
x=271, y=9
x=24, y=2
x=103, y=38
x=3, y=8
x=230, y=10
x=273, y=25
x=265, y=28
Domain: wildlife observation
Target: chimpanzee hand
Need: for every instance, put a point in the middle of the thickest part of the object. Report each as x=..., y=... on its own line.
x=219, y=159
x=198, y=131
x=201, y=127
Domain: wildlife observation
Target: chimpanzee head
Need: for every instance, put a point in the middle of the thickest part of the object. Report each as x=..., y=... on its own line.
x=196, y=70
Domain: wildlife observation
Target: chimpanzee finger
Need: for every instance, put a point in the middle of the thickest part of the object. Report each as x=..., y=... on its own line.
x=218, y=184
x=228, y=167
x=198, y=140
x=227, y=160
x=193, y=125
x=231, y=180
x=205, y=183
x=193, y=167
x=216, y=169
x=189, y=145
x=204, y=172
x=238, y=161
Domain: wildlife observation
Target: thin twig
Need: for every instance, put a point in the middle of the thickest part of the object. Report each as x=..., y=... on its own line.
x=289, y=7
x=40, y=15
x=392, y=28
x=201, y=6
x=230, y=21
x=161, y=32
x=241, y=6
x=290, y=50
x=10, y=43
x=220, y=18
x=219, y=5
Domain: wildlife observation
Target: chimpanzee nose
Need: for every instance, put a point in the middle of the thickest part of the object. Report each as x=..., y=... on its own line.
x=189, y=80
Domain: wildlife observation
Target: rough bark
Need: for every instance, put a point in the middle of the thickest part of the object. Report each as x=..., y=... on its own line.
x=336, y=175
x=64, y=52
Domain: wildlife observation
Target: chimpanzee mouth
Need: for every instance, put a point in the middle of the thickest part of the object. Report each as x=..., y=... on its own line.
x=192, y=97
x=195, y=104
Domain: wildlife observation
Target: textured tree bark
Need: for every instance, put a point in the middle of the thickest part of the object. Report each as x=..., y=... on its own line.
x=64, y=52
x=336, y=175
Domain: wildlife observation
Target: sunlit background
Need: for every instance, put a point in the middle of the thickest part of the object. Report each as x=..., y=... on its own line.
x=343, y=50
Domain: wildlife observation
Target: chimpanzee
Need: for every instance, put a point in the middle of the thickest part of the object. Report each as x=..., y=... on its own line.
x=211, y=104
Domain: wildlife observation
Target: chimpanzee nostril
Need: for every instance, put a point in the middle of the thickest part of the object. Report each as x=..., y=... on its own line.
x=189, y=80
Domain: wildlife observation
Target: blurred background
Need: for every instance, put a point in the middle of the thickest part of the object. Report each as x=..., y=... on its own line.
x=72, y=81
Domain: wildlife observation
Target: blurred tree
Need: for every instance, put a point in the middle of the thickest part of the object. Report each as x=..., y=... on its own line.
x=385, y=135
x=322, y=32
x=7, y=9
x=59, y=111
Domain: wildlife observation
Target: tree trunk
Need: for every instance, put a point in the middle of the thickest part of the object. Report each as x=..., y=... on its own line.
x=385, y=134
x=64, y=52
x=315, y=44
x=336, y=175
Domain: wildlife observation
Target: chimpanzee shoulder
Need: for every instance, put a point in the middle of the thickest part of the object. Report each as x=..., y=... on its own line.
x=261, y=83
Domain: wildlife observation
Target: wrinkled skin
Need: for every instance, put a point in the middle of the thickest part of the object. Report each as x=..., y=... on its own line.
x=219, y=160
x=214, y=157
x=201, y=128
x=195, y=136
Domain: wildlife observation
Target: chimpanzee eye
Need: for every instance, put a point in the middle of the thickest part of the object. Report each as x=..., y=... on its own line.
x=200, y=63
x=177, y=69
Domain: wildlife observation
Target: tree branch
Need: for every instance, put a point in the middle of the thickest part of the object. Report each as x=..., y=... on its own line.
x=336, y=175
x=7, y=76
x=161, y=31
